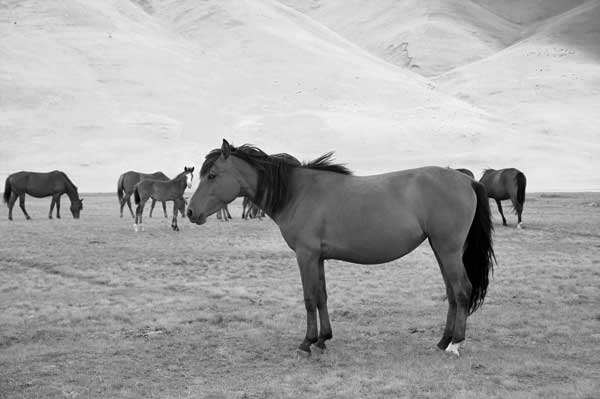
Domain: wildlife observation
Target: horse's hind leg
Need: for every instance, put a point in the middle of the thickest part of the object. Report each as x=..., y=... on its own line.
x=11, y=204
x=138, y=216
x=152, y=207
x=22, y=206
x=458, y=288
x=501, y=213
x=325, y=327
x=164, y=204
x=519, y=209
x=127, y=200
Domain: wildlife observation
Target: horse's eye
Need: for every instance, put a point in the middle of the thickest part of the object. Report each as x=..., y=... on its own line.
x=211, y=176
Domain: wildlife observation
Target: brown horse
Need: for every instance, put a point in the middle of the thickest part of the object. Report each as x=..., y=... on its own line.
x=506, y=184
x=171, y=190
x=324, y=212
x=126, y=184
x=39, y=185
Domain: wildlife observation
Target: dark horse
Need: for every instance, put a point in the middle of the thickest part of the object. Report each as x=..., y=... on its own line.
x=55, y=184
x=506, y=184
x=466, y=172
x=324, y=212
x=126, y=184
x=171, y=190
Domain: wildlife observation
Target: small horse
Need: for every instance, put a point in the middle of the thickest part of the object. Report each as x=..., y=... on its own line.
x=324, y=212
x=159, y=190
x=126, y=184
x=506, y=184
x=38, y=185
x=250, y=210
x=466, y=172
x=223, y=214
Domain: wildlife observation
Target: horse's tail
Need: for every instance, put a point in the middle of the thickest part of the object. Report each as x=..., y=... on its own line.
x=521, y=183
x=120, y=188
x=136, y=195
x=7, y=191
x=478, y=256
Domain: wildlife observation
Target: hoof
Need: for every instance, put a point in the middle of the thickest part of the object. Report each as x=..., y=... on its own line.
x=519, y=226
x=453, y=348
x=28, y=218
x=135, y=228
x=49, y=217
x=302, y=354
x=444, y=342
x=318, y=350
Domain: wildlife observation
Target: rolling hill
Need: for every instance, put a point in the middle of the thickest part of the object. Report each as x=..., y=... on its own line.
x=97, y=88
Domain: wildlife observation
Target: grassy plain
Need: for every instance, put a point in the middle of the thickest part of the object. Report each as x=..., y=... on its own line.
x=89, y=309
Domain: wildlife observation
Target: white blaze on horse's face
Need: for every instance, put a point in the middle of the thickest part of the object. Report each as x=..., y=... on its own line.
x=189, y=178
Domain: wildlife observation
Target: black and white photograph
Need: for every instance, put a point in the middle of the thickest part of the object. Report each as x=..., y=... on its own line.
x=269, y=199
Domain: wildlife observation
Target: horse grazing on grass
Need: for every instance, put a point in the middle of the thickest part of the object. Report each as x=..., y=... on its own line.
x=506, y=184
x=324, y=212
x=55, y=184
x=126, y=184
x=466, y=172
x=171, y=190
x=223, y=214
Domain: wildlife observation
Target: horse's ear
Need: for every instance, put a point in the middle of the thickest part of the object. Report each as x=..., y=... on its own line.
x=192, y=168
x=225, y=149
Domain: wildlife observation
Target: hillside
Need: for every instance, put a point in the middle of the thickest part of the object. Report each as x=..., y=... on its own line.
x=97, y=88
x=547, y=85
x=429, y=37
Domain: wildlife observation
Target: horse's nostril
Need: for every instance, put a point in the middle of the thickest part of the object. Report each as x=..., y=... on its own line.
x=190, y=213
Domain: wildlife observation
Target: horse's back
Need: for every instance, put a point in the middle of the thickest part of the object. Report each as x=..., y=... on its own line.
x=501, y=184
x=39, y=184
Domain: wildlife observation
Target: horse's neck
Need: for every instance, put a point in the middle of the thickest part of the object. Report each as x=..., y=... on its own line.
x=72, y=193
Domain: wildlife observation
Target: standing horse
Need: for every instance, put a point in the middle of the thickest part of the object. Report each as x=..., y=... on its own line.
x=55, y=184
x=223, y=214
x=324, y=212
x=171, y=190
x=126, y=184
x=506, y=184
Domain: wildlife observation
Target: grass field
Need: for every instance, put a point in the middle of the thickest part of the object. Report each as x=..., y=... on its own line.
x=88, y=308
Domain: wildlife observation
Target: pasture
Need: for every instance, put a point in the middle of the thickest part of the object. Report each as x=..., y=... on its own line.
x=90, y=309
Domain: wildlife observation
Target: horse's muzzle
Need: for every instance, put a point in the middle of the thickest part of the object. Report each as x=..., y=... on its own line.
x=198, y=218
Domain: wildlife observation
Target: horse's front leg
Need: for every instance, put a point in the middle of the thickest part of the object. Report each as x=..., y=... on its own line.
x=152, y=207
x=58, y=207
x=164, y=204
x=314, y=298
x=325, y=332
x=174, y=220
x=51, y=207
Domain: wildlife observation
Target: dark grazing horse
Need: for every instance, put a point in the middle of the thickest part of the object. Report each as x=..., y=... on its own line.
x=466, y=172
x=55, y=184
x=126, y=184
x=171, y=190
x=324, y=212
x=506, y=184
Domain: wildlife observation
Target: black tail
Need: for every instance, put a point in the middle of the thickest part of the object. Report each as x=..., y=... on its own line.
x=120, y=188
x=136, y=195
x=521, y=183
x=7, y=191
x=478, y=255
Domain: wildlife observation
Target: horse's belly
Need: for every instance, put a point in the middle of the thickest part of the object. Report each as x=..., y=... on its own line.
x=373, y=245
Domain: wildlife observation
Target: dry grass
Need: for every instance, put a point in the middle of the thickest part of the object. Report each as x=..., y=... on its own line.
x=88, y=308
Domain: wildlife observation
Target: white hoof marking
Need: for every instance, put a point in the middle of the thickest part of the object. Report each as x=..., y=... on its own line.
x=135, y=227
x=519, y=226
x=453, y=348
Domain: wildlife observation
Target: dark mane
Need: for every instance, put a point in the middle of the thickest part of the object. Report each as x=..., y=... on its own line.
x=273, y=172
x=324, y=162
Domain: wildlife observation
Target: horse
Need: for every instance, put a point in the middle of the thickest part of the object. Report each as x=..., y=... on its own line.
x=325, y=212
x=126, y=184
x=250, y=210
x=39, y=185
x=506, y=184
x=171, y=190
x=223, y=214
x=466, y=172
